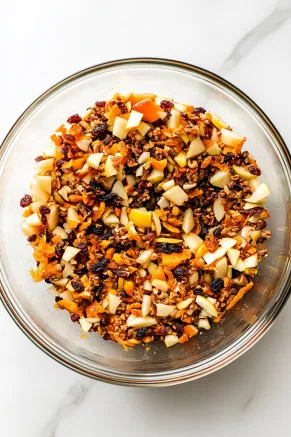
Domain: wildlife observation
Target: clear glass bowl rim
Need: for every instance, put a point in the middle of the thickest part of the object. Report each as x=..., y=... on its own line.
x=175, y=376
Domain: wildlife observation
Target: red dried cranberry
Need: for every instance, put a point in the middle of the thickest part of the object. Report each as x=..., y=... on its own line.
x=25, y=201
x=31, y=238
x=100, y=104
x=69, y=137
x=74, y=119
x=39, y=158
x=75, y=317
x=83, y=248
x=122, y=106
x=166, y=105
x=254, y=170
x=44, y=210
x=77, y=286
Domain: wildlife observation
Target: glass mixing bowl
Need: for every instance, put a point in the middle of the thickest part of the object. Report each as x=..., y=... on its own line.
x=31, y=306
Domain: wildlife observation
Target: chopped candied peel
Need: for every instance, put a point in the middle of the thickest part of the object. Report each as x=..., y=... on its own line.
x=146, y=218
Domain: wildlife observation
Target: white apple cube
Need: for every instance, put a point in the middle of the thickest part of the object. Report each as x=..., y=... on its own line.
x=144, y=157
x=85, y=325
x=45, y=165
x=184, y=304
x=109, y=168
x=70, y=253
x=210, y=257
x=146, y=304
x=72, y=218
x=214, y=150
x=39, y=193
x=145, y=256
x=188, y=221
x=160, y=285
x=169, y=184
x=174, y=120
x=53, y=217
x=206, y=305
x=120, y=128
x=164, y=310
x=240, y=265
x=94, y=160
x=229, y=138
x=227, y=243
x=218, y=209
x=243, y=173
x=140, y=322
x=192, y=240
x=171, y=340
x=123, y=216
x=163, y=203
x=203, y=324
x=218, y=122
x=28, y=230
x=233, y=255
x=157, y=223
x=196, y=148
x=119, y=189
x=260, y=193
x=221, y=268
x=251, y=261
x=176, y=195
x=156, y=176
x=134, y=119
x=220, y=179
x=84, y=143
x=113, y=302
x=34, y=220
x=143, y=128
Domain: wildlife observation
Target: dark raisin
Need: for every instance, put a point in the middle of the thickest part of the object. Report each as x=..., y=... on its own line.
x=180, y=271
x=44, y=210
x=150, y=236
x=99, y=131
x=48, y=236
x=164, y=331
x=122, y=246
x=107, y=234
x=77, y=286
x=71, y=238
x=210, y=199
x=74, y=118
x=95, y=186
x=203, y=232
x=47, y=280
x=257, y=210
x=198, y=110
x=106, y=336
x=254, y=170
x=122, y=273
x=107, y=140
x=166, y=105
x=62, y=161
x=39, y=158
x=170, y=248
x=261, y=240
x=179, y=328
x=228, y=157
x=141, y=333
x=261, y=224
x=58, y=298
x=100, y=104
x=111, y=199
x=104, y=318
x=59, y=251
x=96, y=230
x=25, y=201
x=32, y=238
x=69, y=137
x=99, y=267
x=65, y=150
x=122, y=106
x=124, y=295
x=83, y=248
x=75, y=317
x=217, y=232
x=97, y=290
x=217, y=285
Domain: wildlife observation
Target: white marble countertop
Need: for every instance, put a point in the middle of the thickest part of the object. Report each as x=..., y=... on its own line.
x=249, y=44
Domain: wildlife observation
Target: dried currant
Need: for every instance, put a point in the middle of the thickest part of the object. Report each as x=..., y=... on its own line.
x=74, y=118
x=25, y=201
x=180, y=271
x=166, y=105
x=77, y=286
x=99, y=131
x=198, y=110
x=44, y=210
x=217, y=285
x=170, y=248
x=141, y=333
x=254, y=170
x=99, y=267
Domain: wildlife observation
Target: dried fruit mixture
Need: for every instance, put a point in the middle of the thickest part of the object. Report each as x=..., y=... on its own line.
x=147, y=219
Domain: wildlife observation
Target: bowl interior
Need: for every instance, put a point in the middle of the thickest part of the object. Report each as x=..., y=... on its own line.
x=34, y=305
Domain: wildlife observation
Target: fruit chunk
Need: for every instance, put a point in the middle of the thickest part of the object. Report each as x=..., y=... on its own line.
x=192, y=240
x=210, y=257
x=120, y=128
x=229, y=138
x=218, y=209
x=70, y=253
x=184, y=304
x=206, y=305
x=221, y=268
x=164, y=310
x=45, y=183
x=220, y=179
x=204, y=324
x=218, y=122
x=140, y=322
x=34, y=220
x=150, y=111
x=134, y=119
x=73, y=218
x=251, y=261
x=61, y=232
x=227, y=243
x=240, y=265
x=243, y=173
x=45, y=165
x=160, y=285
x=181, y=159
x=37, y=192
x=143, y=128
x=53, y=217
x=188, y=221
x=109, y=168
x=260, y=193
x=140, y=217
x=171, y=340
x=119, y=189
x=176, y=195
x=135, y=98
x=85, y=325
x=157, y=223
x=146, y=305
x=174, y=120
x=156, y=176
x=145, y=256
x=233, y=255
x=196, y=148
x=84, y=143
x=169, y=184
x=214, y=150
x=144, y=157
x=94, y=160
x=113, y=302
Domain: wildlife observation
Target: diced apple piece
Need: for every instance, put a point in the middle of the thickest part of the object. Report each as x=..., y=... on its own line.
x=171, y=340
x=70, y=253
x=192, y=240
x=134, y=119
x=110, y=219
x=28, y=230
x=229, y=138
x=181, y=159
x=156, y=176
x=233, y=255
x=139, y=171
x=94, y=160
x=53, y=217
x=147, y=286
x=207, y=277
x=260, y=193
x=145, y=256
x=214, y=150
x=45, y=183
x=143, y=128
x=123, y=216
x=38, y=193
x=119, y=189
x=144, y=157
x=120, y=128
x=125, y=95
x=251, y=261
x=45, y=165
x=255, y=235
x=73, y=218
x=140, y=322
x=174, y=120
x=254, y=183
x=67, y=270
x=218, y=209
x=109, y=168
x=34, y=220
x=83, y=143
x=146, y=305
x=163, y=203
x=85, y=325
x=196, y=148
x=249, y=205
x=227, y=243
x=184, y=304
x=240, y=265
x=157, y=223
x=206, y=305
x=164, y=310
x=130, y=179
x=246, y=232
x=141, y=218
x=188, y=221
x=152, y=267
x=210, y=257
x=218, y=122
x=193, y=278
x=243, y=173
x=203, y=324
x=113, y=302
x=64, y=191
x=220, y=178
x=160, y=285
x=176, y=195
x=221, y=268
x=169, y=184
